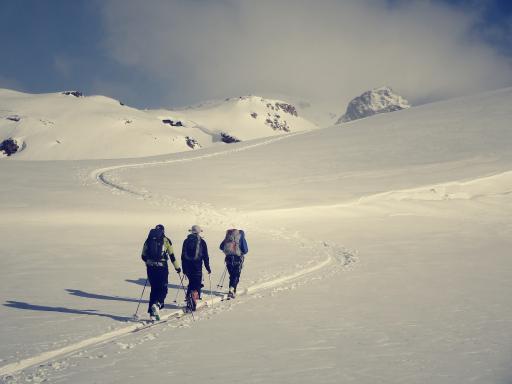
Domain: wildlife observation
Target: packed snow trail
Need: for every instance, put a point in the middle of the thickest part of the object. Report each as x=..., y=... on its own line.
x=13, y=368
x=100, y=173
x=332, y=254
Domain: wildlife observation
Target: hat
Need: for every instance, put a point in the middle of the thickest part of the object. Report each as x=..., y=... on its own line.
x=160, y=227
x=195, y=229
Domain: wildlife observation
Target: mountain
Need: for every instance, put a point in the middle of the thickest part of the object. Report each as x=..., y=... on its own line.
x=378, y=253
x=320, y=112
x=240, y=118
x=378, y=100
x=71, y=126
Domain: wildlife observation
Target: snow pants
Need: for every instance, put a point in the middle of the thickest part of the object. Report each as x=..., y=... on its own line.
x=234, y=264
x=158, y=279
x=194, y=282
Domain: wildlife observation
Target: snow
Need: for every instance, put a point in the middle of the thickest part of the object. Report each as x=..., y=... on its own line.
x=378, y=253
x=64, y=127
x=243, y=117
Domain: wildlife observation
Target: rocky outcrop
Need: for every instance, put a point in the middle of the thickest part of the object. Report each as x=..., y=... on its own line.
x=173, y=123
x=228, y=139
x=192, y=143
x=9, y=147
x=379, y=100
x=274, y=121
x=15, y=118
x=73, y=93
x=286, y=108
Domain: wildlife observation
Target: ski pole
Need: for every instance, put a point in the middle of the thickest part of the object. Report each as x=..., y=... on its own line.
x=176, y=298
x=202, y=285
x=211, y=293
x=222, y=277
x=177, y=290
x=142, y=294
x=182, y=286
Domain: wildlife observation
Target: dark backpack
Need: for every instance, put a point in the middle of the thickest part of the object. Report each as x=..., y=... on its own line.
x=193, y=248
x=154, y=244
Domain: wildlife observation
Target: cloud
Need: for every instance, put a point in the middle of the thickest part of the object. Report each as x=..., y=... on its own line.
x=327, y=51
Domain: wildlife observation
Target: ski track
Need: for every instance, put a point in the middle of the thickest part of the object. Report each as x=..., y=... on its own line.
x=331, y=253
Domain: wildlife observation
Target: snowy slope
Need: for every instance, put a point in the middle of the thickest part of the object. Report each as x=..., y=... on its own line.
x=243, y=118
x=64, y=127
x=422, y=197
x=422, y=145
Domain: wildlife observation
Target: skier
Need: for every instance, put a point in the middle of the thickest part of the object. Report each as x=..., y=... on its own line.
x=193, y=254
x=155, y=253
x=235, y=248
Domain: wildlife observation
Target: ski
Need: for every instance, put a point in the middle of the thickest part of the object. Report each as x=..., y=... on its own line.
x=145, y=324
x=148, y=323
x=225, y=297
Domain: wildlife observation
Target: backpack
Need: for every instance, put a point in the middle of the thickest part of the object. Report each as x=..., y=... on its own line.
x=231, y=244
x=154, y=244
x=193, y=249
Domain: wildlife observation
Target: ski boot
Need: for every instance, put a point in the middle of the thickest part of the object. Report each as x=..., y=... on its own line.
x=155, y=311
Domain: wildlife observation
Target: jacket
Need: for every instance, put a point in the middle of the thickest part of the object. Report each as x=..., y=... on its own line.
x=193, y=255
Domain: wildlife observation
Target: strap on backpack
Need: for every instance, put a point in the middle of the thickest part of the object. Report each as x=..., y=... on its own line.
x=197, y=247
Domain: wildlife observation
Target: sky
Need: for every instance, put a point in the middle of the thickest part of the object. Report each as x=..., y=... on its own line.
x=172, y=53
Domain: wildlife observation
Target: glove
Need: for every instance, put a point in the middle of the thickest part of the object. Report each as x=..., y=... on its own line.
x=209, y=271
x=178, y=270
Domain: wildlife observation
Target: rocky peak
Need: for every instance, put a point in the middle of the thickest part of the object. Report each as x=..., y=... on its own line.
x=73, y=93
x=378, y=100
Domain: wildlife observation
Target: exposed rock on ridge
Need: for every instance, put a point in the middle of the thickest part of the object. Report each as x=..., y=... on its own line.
x=378, y=100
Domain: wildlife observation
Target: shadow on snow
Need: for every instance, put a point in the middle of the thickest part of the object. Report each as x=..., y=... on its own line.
x=96, y=296
x=33, y=307
x=206, y=290
x=142, y=281
x=88, y=295
x=80, y=293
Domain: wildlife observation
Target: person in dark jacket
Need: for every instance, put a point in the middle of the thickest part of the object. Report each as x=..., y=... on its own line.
x=193, y=254
x=156, y=252
x=235, y=248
